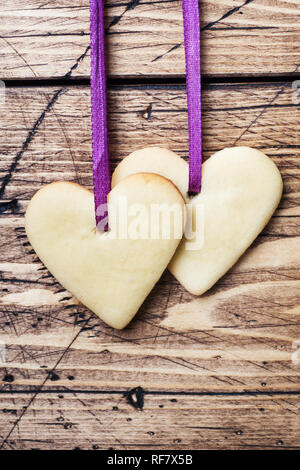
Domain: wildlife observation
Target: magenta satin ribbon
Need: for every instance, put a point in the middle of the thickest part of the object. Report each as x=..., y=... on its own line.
x=100, y=149
x=191, y=24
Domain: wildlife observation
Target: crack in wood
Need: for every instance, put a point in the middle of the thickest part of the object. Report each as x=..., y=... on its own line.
x=78, y=61
x=173, y=48
x=129, y=6
x=32, y=132
x=178, y=393
x=204, y=28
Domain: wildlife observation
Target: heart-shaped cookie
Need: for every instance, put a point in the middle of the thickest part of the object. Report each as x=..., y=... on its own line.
x=109, y=272
x=241, y=188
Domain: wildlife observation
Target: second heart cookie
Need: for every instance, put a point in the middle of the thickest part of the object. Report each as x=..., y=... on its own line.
x=241, y=188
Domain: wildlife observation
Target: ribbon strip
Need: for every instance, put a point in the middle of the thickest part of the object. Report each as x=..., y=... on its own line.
x=100, y=148
x=191, y=24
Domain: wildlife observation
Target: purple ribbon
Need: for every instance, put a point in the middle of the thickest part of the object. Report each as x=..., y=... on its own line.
x=100, y=148
x=191, y=24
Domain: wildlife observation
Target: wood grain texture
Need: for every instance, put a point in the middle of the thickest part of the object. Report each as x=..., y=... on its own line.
x=95, y=421
x=250, y=37
x=234, y=345
x=217, y=372
x=46, y=132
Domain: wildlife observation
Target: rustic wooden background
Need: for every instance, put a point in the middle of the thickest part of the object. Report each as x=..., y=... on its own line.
x=188, y=373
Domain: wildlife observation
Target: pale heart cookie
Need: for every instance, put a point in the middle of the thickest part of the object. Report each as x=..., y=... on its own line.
x=107, y=271
x=241, y=188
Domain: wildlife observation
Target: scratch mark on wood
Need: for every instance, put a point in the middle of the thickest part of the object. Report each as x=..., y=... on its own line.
x=226, y=15
x=19, y=55
x=173, y=48
x=265, y=107
x=28, y=140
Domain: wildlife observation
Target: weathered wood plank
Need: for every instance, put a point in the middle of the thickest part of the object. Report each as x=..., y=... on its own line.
x=240, y=336
x=68, y=420
x=46, y=131
x=145, y=38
